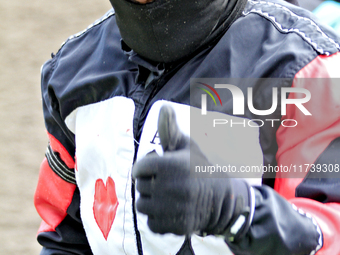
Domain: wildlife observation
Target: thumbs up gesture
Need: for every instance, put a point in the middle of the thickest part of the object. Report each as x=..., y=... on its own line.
x=178, y=203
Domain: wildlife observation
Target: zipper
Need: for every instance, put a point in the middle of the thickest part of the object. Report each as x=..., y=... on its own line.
x=148, y=97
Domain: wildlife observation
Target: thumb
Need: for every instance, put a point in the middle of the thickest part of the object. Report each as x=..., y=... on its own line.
x=169, y=133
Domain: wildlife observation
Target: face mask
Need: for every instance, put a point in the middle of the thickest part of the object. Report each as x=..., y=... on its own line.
x=168, y=30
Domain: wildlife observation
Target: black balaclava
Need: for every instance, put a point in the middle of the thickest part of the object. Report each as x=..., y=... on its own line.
x=168, y=30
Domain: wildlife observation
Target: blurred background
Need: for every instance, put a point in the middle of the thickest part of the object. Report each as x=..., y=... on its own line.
x=29, y=32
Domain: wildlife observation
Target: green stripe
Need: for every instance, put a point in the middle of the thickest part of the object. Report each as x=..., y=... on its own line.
x=209, y=94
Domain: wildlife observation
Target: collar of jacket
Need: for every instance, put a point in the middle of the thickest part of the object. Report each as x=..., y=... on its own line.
x=145, y=68
x=168, y=30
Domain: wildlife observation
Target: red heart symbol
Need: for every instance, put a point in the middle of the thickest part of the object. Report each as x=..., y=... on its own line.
x=105, y=205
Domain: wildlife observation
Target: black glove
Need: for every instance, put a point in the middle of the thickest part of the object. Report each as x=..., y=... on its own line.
x=178, y=203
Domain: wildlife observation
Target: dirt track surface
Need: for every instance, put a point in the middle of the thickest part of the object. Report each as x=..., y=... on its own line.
x=29, y=32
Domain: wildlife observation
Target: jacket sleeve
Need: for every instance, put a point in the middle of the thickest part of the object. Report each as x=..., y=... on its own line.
x=57, y=197
x=302, y=214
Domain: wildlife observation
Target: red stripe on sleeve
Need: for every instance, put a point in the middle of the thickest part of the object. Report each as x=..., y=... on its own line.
x=52, y=197
x=304, y=143
x=328, y=218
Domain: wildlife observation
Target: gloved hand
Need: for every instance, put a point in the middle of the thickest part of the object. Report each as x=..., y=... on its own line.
x=178, y=203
